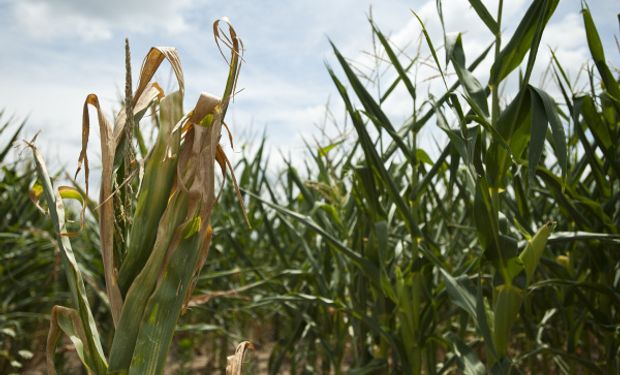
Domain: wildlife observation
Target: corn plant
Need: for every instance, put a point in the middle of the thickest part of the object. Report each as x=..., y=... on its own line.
x=497, y=255
x=30, y=276
x=153, y=212
x=27, y=259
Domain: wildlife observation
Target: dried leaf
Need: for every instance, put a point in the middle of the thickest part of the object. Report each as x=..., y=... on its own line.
x=235, y=362
x=106, y=209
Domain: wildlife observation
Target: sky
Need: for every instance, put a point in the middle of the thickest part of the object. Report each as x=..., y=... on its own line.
x=54, y=53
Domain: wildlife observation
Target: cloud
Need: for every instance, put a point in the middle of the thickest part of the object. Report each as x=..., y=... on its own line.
x=284, y=80
x=97, y=20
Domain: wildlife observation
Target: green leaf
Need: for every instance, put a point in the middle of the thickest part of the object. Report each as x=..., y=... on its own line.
x=598, y=54
x=473, y=88
x=469, y=363
x=169, y=233
x=461, y=292
x=485, y=16
x=162, y=310
x=10, y=144
x=375, y=162
x=323, y=151
x=557, y=130
x=513, y=135
x=372, y=108
x=69, y=192
x=507, y=306
x=154, y=192
x=530, y=256
x=599, y=128
x=414, y=124
x=538, y=134
x=485, y=216
x=562, y=237
x=364, y=264
x=422, y=156
x=83, y=320
x=193, y=227
x=402, y=73
x=483, y=313
x=430, y=46
x=521, y=41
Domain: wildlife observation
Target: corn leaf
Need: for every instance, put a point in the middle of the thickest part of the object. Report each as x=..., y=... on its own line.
x=527, y=32
x=93, y=354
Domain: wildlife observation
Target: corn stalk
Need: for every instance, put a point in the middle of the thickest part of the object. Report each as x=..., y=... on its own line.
x=154, y=223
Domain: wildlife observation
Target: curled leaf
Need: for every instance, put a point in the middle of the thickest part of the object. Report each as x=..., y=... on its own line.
x=235, y=362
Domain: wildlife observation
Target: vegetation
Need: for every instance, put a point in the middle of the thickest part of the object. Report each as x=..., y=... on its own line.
x=154, y=230
x=25, y=250
x=497, y=254
x=500, y=255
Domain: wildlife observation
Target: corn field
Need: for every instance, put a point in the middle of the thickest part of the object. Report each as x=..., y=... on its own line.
x=495, y=252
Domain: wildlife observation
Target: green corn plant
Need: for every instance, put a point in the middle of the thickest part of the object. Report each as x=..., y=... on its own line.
x=495, y=253
x=154, y=216
x=30, y=275
x=383, y=257
x=27, y=283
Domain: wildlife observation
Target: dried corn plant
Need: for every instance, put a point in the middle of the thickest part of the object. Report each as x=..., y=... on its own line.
x=154, y=215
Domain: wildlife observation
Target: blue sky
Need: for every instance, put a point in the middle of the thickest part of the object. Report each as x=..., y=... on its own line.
x=55, y=53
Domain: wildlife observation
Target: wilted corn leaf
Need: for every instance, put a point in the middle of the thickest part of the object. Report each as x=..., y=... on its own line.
x=156, y=295
x=67, y=321
x=235, y=362
x=106, y=208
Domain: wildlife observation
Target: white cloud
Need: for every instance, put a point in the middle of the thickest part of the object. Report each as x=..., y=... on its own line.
x=97, y=20
x=40, y=21
x=567, y=37
x=285, y=82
